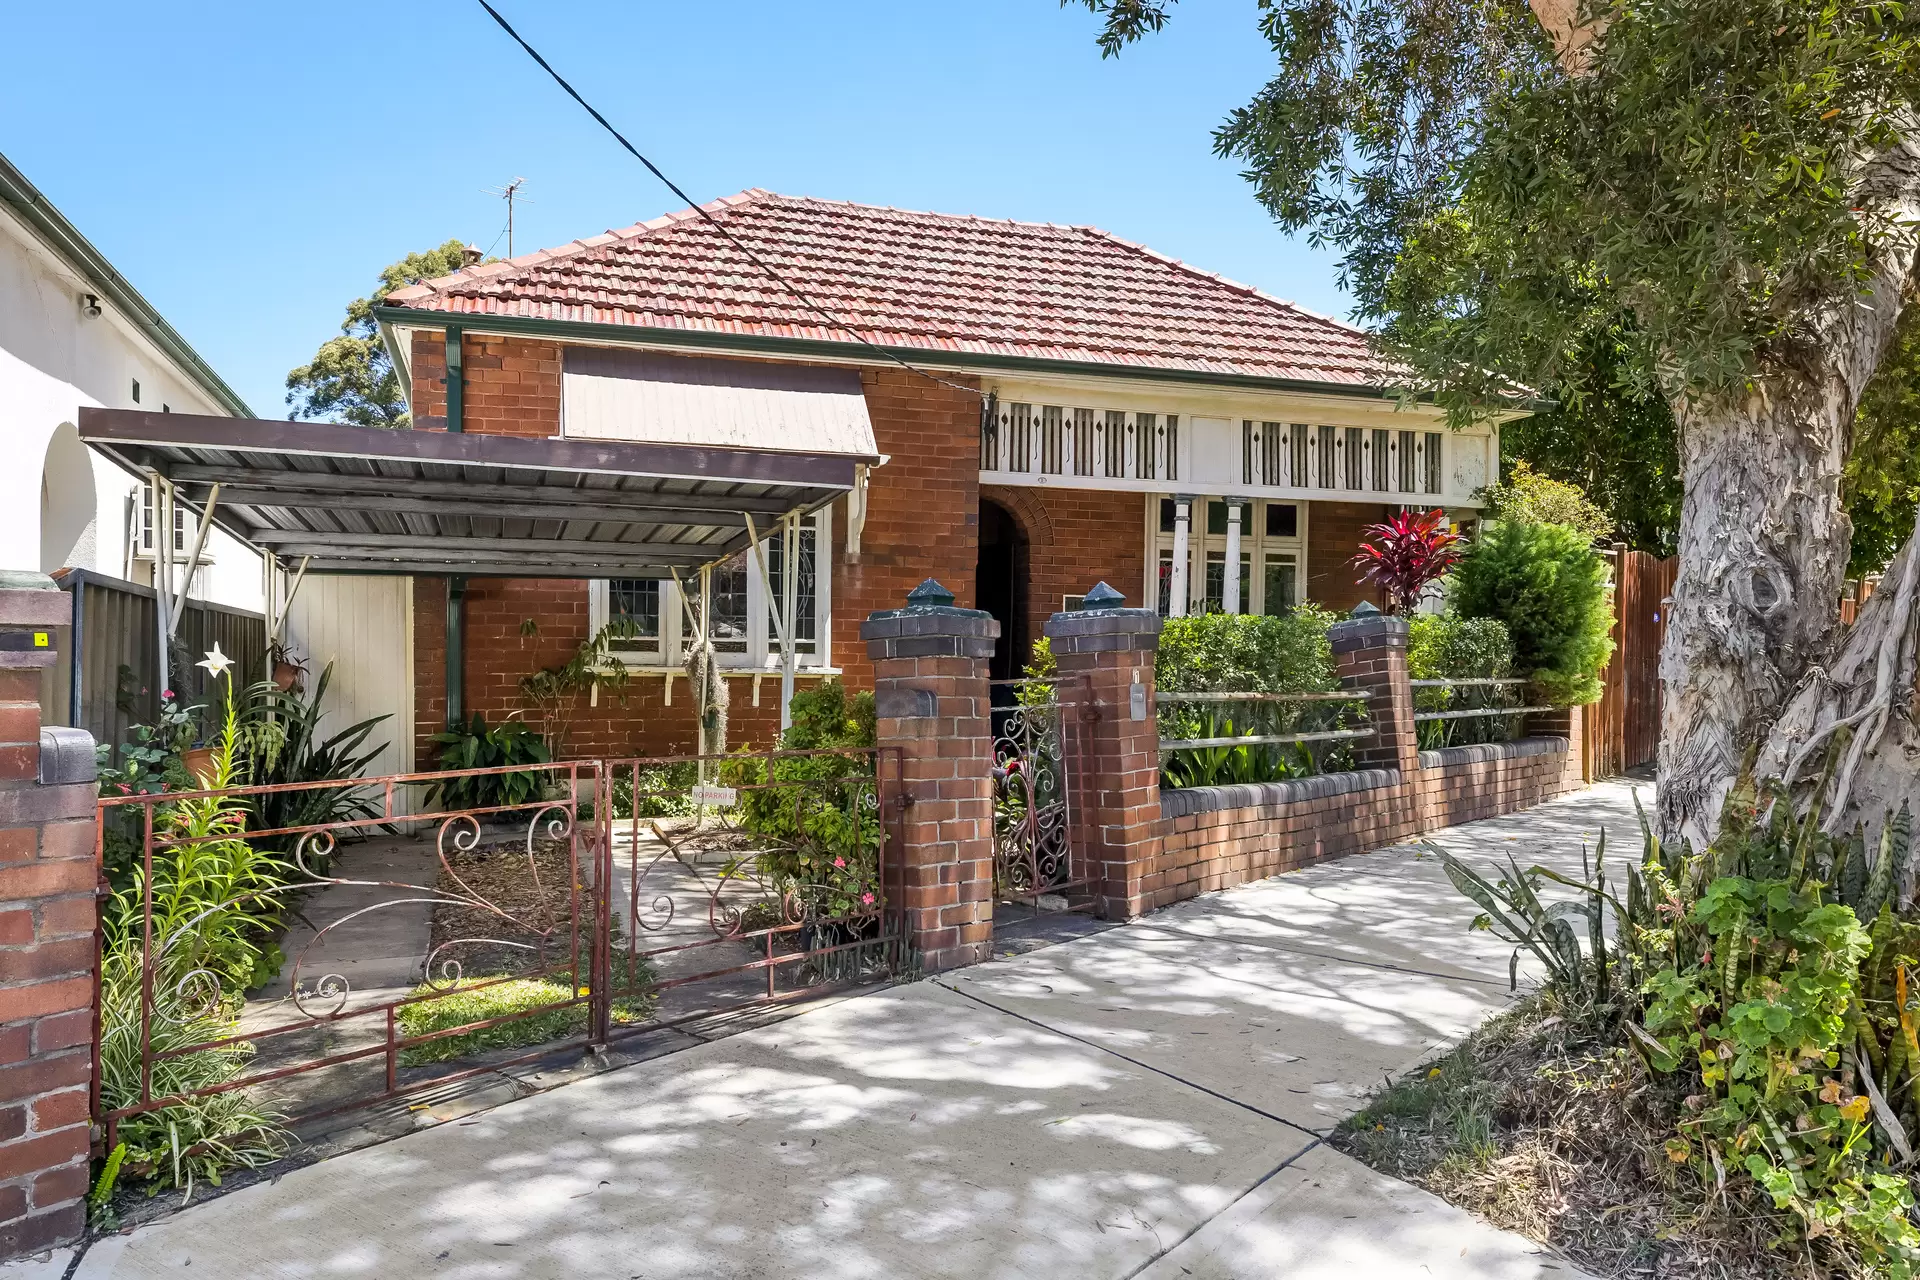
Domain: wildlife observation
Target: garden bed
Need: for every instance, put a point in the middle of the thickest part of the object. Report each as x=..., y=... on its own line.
x=1543, y=1126
x=538, y=895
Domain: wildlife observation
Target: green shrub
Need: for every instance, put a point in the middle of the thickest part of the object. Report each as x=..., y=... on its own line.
x=1548, y=586
x=817, y=812
x=1775, y=966
x=476, y=746
x=1446, y=646
x=1247, y=653
x=664, y=791
x=1529, y=497
x=1442, y=646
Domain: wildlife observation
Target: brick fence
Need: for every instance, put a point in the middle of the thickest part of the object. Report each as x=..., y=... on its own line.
x=1148, y=847
x=48, y=878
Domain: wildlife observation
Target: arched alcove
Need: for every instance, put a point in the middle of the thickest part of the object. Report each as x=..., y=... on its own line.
x=69, y=505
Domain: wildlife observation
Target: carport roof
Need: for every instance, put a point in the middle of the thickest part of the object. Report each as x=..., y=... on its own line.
x=352, y=499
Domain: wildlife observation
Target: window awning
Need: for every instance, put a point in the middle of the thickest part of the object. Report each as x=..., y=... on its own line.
x=347, y=499
x=616, y=394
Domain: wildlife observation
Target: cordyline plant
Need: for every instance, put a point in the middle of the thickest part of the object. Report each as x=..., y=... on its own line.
x=1406, y=553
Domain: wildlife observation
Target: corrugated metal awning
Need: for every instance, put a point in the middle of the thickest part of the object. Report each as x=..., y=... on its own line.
x=613, y=394
x=350, y=499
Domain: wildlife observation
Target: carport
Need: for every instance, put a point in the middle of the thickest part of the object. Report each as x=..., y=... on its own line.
x=331, y=498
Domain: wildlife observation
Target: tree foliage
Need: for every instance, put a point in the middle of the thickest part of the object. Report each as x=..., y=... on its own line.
x=1620, y=445
x=1616, y=443
x=1494, y=214
x=1882, y=482
x=352, y=378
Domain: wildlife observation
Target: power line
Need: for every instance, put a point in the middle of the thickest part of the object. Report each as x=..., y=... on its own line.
x=831, y=319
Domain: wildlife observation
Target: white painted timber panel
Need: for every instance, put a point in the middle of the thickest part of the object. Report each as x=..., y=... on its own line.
x=364, y=627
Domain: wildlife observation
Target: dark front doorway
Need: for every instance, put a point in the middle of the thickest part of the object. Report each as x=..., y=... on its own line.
x=1001, y=586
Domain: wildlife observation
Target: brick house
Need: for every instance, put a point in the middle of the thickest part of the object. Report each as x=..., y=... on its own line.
x=1079, y=408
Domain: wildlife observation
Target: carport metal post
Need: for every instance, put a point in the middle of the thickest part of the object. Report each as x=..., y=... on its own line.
x=456, y=649
x=781, y=613
x=162, y=582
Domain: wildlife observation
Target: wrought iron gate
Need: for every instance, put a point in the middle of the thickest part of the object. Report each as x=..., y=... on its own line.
x=1035, y=780
x=550, y=908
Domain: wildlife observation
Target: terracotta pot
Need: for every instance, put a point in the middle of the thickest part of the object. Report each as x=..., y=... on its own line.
x=285, y=675
x=199, y=762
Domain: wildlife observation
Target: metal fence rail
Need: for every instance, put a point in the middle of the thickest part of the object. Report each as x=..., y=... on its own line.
x=1228, y=736
x=1496, y=720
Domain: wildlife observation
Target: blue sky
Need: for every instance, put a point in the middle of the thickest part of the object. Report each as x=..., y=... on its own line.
x=251, y=166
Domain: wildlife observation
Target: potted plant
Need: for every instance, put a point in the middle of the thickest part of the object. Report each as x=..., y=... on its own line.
x=286, y=670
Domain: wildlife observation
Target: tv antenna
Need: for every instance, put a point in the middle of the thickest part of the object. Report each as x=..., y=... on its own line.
x=509, y=193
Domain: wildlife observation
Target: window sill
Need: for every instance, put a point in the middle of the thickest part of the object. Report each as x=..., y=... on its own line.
x=654, y=667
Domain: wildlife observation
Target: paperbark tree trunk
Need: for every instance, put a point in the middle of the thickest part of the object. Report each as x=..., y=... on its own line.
x=1763, y=553
x=1861, y=709
x=1764, y=538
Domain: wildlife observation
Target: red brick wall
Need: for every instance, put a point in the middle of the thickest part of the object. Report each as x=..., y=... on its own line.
x=429, y=398
x=1333, y=535
x=48, y=878
x=512, y=387
x=923, y=507
x=1202, y=852
x=1075, y=538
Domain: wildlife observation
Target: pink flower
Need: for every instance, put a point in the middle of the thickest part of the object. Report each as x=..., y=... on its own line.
x=839, y=862
x=167, y=694
x=866, y=899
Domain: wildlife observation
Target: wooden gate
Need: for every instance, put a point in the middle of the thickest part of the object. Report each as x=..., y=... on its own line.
x=1623, y=728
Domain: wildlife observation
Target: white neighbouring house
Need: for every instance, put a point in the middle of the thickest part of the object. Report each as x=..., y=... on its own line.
x=74, y=332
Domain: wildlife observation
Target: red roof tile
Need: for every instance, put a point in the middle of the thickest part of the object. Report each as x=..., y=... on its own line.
x=928, y=281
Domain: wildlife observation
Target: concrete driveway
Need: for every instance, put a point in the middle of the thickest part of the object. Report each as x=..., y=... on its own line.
x=1149, y=1101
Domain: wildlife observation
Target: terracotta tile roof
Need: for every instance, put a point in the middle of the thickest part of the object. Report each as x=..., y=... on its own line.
x=931, y=281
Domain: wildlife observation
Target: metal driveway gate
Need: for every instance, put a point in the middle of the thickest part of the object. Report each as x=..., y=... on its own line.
x=443, y=926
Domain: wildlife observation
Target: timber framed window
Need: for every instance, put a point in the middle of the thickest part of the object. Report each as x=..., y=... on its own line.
x=1273, y=552
x=744, y=634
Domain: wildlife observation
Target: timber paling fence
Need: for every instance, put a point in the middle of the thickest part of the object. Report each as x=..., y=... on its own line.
x=113, y=628
x=1623, y=728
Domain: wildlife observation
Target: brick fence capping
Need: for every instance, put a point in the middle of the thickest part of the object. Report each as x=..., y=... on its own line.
x=48, y=879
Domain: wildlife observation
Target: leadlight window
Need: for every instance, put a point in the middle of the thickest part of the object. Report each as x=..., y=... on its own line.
x=635, y=602
x=806, y=625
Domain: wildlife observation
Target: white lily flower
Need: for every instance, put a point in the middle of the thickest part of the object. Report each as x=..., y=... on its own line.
x=216, y=662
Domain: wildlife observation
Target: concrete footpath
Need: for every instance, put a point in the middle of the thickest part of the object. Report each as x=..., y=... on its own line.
x=1148, y=1101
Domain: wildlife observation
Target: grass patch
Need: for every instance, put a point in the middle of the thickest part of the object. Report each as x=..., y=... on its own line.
x=1540, y=1123
x=468, y=1001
